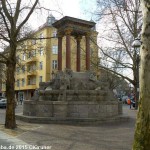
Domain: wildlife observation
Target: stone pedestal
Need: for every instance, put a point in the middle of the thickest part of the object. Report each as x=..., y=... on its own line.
x=71, y=110
x=73, y=96
x=60, y=109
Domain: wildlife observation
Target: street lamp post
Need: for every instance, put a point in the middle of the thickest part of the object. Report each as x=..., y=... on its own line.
x=136, y=45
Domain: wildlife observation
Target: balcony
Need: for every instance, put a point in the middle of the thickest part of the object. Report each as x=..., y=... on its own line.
x=31, y=86
x=31, y=60
x=32, y=73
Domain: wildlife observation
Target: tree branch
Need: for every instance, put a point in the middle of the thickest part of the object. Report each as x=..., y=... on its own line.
x=4, y=38
x=5, y=22
x=3, y=2
x=27, y=17
x=2, y=56
x=17, y=10
x=125, y=77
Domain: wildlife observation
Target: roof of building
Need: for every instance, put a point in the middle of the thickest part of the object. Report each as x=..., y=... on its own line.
x=77, y=26
x=77, y=21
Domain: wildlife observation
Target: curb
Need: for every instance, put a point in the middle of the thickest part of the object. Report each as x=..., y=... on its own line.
x=74, y=121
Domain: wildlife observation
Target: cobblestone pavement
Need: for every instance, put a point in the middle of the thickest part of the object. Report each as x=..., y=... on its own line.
x=108, y=136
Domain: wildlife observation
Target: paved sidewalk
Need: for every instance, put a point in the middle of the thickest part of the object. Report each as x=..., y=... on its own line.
x=107, y=136
x=9, y=142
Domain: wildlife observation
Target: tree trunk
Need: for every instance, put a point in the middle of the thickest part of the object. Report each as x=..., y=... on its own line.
x=142, y=132
x=136, y=85
x=10, y=17
x=10, y=121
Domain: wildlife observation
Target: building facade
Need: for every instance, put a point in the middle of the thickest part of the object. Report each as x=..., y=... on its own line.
x=38, y=58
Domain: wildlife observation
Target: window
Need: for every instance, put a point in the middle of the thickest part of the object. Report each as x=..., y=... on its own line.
x=23, y=69
x=24, y=56
x=41, y=65
x=54, y=34
x=18, y=83
x=55, y=49
x=34, y=67
x=18, y=58
x=31, y=80
x=41, y=51
x=23, y=82
x=41, y=36
x=17, y=70
x=40, y=78
x=33, y=53
x=29, y=55
x=34, y=80
x=54, y=64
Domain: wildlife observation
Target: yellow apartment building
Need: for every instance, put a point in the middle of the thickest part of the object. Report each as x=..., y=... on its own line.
x=37, y=58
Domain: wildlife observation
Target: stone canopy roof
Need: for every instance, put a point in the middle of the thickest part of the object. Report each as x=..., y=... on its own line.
x=77, y=26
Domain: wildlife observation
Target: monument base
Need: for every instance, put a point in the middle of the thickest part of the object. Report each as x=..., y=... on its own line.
x=73, y=112
x=72, y=97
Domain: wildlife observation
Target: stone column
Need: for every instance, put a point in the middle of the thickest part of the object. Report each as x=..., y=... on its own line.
x=68, y=49
x=87, y=51
x=78, y=62
x=59, y=52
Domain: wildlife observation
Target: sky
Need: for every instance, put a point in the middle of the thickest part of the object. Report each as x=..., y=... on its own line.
x=82, y=9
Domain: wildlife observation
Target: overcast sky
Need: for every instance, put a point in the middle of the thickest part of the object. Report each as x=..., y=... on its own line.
x=82, y=9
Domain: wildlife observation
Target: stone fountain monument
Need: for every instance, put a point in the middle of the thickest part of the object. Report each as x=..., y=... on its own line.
x=72, y=96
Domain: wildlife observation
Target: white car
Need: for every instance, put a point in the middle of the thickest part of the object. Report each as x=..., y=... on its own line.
x=3, y=102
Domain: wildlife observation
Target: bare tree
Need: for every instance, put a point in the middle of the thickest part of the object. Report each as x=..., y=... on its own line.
x=142, y=132
x=13, y=17
x=122, y=20
x=2, y=74
x=116, y=83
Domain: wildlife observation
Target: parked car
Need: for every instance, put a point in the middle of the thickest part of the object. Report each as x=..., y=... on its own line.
x=3, y=103
x=1, y=97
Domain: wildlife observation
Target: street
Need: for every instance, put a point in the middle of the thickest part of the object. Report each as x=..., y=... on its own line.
x=108, y=136
x=2, y=115
x=3, y=110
